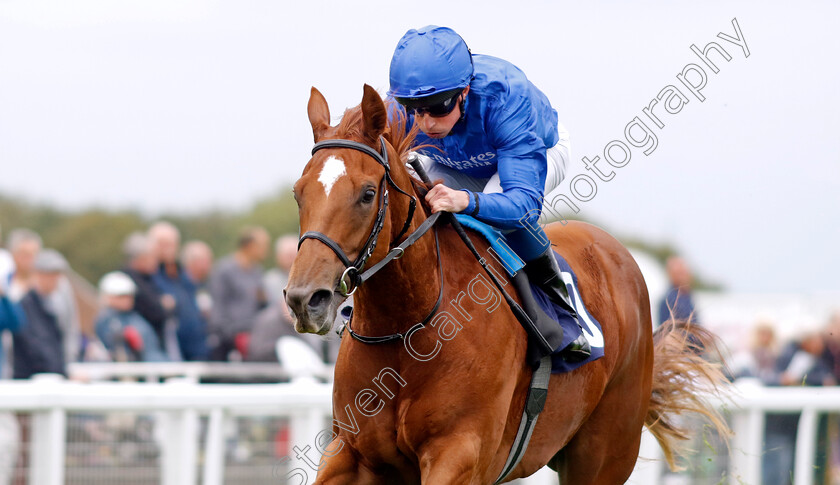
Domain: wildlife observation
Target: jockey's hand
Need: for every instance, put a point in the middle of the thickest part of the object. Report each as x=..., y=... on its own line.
x=442, y=198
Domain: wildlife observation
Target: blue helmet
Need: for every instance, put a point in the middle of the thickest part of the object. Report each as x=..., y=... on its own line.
x=430, y=63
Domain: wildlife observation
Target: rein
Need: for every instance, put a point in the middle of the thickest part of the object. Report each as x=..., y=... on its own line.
x=401, y=336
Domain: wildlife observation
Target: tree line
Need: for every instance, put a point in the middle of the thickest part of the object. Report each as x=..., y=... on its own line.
x=91, y=239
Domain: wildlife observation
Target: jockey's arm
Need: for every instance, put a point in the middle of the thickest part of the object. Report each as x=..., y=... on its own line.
x=521, y=199
x=505, y=210
x=522, y=169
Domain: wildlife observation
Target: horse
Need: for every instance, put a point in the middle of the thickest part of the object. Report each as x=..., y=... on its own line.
x=439, y=401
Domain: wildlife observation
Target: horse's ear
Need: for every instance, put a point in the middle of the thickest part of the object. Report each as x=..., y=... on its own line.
x=319, y=114
x=374, y=114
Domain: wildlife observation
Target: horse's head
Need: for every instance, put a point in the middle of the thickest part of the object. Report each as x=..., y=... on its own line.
x=342, y=201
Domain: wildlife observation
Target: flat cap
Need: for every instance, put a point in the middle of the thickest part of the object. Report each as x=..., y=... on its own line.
x=51, y=261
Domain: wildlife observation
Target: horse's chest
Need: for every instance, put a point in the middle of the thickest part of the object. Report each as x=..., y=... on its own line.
x=377, y=439
x=364, y=406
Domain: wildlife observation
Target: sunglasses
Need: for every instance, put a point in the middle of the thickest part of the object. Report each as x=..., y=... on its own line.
x=436, y=110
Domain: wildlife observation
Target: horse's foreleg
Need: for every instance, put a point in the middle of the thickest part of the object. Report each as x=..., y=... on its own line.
x=450, y=460
x=344, y=469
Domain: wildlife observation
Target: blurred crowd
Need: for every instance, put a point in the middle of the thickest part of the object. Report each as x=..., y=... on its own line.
x=168, y=302
x=172, y=302
x=177, y=302
x=812, y=358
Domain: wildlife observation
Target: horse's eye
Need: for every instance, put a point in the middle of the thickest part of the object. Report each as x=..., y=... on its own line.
x=369, y=195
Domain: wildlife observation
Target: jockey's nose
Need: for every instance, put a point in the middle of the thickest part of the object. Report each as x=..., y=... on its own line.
x=424, y=119
x=307, y=304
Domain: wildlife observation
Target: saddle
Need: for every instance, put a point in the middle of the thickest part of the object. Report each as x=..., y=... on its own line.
x=557, y=326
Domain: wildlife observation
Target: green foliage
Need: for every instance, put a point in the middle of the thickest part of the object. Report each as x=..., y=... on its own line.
x=92, y=239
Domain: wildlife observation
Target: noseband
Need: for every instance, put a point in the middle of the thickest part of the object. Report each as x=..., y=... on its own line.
x=351, y=278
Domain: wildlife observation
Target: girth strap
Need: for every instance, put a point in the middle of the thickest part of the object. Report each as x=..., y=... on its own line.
x=534, y=404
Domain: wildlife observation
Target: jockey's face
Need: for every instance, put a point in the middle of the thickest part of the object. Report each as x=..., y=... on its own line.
x=439, y=127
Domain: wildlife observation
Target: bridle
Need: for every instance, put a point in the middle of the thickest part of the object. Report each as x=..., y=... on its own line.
x=352, y=277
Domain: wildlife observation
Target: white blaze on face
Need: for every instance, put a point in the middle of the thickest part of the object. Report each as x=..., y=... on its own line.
x=332, y=170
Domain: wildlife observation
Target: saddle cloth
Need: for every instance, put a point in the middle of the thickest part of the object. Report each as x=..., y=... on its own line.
x=512, y=263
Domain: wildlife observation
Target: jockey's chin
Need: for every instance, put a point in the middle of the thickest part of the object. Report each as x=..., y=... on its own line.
x=437, y=135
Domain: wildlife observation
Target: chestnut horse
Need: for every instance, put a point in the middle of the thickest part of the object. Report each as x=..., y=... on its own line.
x=442, y=404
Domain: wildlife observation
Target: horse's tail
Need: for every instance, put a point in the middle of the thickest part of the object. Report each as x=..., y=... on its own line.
x=683, y=379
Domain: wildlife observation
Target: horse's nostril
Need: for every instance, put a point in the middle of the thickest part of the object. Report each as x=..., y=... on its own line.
x=319, y=299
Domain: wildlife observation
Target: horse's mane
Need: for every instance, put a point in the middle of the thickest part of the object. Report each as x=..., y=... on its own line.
x=351, y=127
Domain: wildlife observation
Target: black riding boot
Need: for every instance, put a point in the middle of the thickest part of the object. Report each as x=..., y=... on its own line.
x=545, y=272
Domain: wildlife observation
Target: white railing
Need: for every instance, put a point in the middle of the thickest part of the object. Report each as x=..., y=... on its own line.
x=750, y=402
x=154, y=371
x=179, y=403
x=754, y=401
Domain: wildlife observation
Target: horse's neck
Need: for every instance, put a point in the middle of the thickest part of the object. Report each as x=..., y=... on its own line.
x=405, y=290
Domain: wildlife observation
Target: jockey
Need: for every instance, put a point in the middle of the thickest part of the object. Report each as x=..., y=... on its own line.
x=492, y=137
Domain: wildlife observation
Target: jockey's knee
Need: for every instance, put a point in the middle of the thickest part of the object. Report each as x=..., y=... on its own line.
x=529, y=242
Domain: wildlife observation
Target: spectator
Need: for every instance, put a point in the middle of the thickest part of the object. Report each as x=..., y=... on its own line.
x=7, y=267
x=63, y=304
x=800, y=364
x=270, y=324
x=760, y=360
x=832, y=345
x=236, y=289
x=804, y=363
x=187, y=338
x=11, y=318
x=274, y=321
x=126, y=335
x=141, y=266
x=197, y=258
x=38, y=345
x=275, y=279
x=24, y=246
x=678, y=301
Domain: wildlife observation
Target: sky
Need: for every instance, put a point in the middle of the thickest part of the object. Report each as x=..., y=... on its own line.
x=188, y=105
